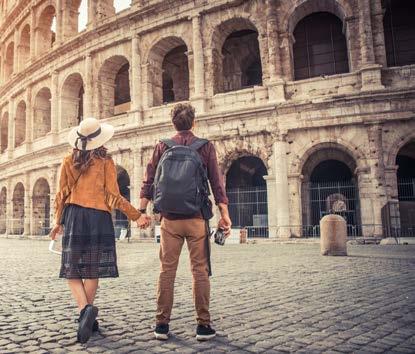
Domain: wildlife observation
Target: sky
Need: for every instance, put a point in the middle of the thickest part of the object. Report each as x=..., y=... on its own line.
x=83, y=11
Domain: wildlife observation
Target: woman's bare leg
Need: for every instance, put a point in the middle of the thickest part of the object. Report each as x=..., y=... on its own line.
x=90, y=286
x=78, y=292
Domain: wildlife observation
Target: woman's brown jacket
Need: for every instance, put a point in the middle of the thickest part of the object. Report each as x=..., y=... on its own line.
x=96, y=188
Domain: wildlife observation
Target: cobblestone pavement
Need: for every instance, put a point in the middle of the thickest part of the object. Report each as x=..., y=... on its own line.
x=265, y=298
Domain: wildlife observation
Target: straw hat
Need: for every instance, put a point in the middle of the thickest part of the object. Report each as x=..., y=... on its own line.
x=90, y=134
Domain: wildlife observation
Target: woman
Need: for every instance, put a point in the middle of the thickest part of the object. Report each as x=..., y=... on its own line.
x=88, y=191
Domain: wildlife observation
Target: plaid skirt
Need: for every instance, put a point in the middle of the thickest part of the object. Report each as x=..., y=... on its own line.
x=88, y=244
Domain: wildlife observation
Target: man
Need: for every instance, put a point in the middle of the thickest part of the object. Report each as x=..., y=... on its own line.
x=176, y=227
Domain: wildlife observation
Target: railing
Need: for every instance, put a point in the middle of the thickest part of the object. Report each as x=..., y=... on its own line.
x=406, y=189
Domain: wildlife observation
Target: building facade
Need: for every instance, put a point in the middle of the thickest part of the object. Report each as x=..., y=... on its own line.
x=310, y=103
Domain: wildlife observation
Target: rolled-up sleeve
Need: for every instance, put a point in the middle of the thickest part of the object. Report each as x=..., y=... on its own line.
x=147, y=187
x=215, y=176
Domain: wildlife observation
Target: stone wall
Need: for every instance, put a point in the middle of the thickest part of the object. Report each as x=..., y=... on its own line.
x=363, y=117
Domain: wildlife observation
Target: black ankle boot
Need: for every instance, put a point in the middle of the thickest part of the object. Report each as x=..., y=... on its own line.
x=86, y=323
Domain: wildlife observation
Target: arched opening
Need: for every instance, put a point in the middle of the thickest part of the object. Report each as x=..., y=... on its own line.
x=168, y=72
x=3, y=210
x=72, y=99
x=405, y=160
x=175, y=76
x=82, y=18
x=4, y=132
x=20, y=124
x=24, y=47
x=399, y=29
x=121, y=224
x=18, y=209
x=330, y=186
x=41, y=207
x=241, y=61
x=114, y=82
x=320, y=47
x=236, y=56
x=42, y=113
x=247, y=193
x=8, y=65
x=45, y=31
x=122, y=98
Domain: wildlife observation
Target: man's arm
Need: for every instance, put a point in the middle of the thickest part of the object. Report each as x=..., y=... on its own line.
x=147, y=187
x=218, y=189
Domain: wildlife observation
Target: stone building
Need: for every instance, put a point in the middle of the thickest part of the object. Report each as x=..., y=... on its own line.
x=310, y=103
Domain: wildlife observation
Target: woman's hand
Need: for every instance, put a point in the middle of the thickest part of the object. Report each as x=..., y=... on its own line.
x=144, y=221
x=57, y=230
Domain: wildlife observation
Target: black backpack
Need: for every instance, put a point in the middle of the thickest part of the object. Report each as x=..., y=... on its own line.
x=181, y=183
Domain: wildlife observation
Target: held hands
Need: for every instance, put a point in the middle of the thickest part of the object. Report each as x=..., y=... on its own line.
x=57, y=230
x=144, y=221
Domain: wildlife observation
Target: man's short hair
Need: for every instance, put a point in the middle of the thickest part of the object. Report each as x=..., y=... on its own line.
x=182, y=116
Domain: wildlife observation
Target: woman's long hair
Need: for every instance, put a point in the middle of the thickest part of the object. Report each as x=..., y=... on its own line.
x=82, y=160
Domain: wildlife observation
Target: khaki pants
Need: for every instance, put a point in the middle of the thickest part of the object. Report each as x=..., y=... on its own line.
x=173, y=234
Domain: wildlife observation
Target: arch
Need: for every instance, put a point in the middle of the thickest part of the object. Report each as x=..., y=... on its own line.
x=320, y=47
x=341, y=9
x=405, y=175
x=329, y=185
x=18, y=209
x=114, y=83
x=20, y=124
x=348, y=148
x=42, y=113
x=399, y=31
x=9, y=61
x=72, y=98
x=3, y=210
x=81, y=7
x=24, y=47
x=4, y=132
x=236, y=55
x=168, y=71
x=41, y=207
x=247, y=192
x=120, y=219
x=45, y=34
x=399, y=143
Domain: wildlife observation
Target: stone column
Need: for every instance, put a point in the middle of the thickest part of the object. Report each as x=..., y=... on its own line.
x=59, y=22
x=16, y=52
x=12, y=128
x=29, y=119
x=370, y=71
x=278, y=198
x=27, y=205
x=32, y=34
x=135, y=75
x=135, y=184
x=54, y=109
x=294, y=193
x=372, y=191
x=198, y=99
x=88, y=87
x=53, y=186
x=378, y=34
x=276, y=91
x=9, y=207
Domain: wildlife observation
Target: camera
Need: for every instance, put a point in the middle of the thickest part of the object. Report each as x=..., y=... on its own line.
x=220, y=237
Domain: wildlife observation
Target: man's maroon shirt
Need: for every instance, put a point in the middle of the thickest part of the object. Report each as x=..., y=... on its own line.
x=208, y=155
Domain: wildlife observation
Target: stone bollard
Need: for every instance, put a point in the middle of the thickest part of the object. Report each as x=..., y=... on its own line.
x=333, y=236
x=243, y=236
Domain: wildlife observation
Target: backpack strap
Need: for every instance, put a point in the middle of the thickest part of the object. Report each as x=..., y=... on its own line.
x=169, y=142
x=198, y=143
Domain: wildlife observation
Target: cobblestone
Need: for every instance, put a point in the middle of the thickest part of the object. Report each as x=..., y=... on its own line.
x=265, y=298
